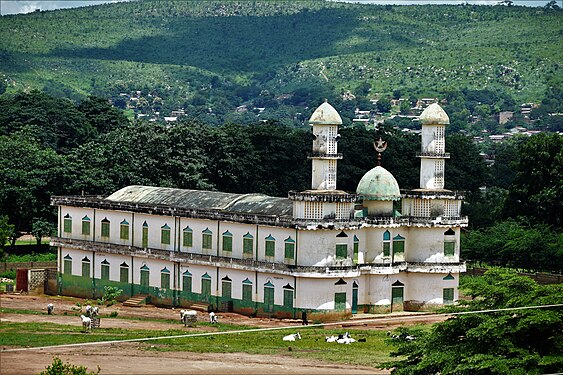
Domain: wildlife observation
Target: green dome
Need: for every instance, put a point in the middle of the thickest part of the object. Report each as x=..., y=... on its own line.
x=378, y=184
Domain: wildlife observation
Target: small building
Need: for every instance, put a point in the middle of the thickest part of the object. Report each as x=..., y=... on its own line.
x=325, y=251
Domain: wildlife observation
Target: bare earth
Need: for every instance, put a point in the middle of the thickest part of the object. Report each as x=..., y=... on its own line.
x=132, y=358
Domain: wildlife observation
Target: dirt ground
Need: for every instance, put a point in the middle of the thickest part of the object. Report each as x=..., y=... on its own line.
x=131, y=358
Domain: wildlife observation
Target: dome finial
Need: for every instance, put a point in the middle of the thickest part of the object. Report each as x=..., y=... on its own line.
x=380, y=146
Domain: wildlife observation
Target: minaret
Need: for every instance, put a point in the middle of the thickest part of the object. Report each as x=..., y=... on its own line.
x=433, y=148
x=325, y=121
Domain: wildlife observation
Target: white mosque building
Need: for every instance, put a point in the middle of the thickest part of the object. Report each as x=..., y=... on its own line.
x=324, y=251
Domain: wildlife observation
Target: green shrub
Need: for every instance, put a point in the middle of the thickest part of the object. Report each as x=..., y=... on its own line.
x=58, y=367
x=42, y=257
x=9, y=274
x=113, y=314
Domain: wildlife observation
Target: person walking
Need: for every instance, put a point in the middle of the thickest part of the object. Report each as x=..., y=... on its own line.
x=304, y=318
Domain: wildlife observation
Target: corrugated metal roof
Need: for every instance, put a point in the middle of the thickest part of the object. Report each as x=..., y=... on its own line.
x=206, y=200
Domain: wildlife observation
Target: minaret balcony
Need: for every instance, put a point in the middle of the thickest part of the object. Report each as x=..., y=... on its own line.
x=433, y=155
x=324, y=155
x=322, y=196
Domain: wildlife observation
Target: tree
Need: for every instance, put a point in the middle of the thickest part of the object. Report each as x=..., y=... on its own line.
x=6, y=231
x=384, y=105
x=537, y=189
x=516, y=341
x=58, y=367
x=101, y=115
x=41, y=228
x=551, y=5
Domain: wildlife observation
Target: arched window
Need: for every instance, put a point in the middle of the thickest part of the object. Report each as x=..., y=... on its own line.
x=206, y=285
x=356, y=248
x=165, y=234
x=398, y=245
x=145, y=236
x=289, y=249
x=123, y=273
x=105, y=227
x=165, y=278
x=187, y=282
x=85, y=267
x=386, y=244
x=449, y=243
x=268, y=297
x=67, y=224
x=247, y=290
x=288, y=296
x=207, y=239
x=227, y=241
x=145, y=276
x=124, y=230
x=247, y=245
x=104, y=275
x=226, y=287
x=85, y=226
x=67, y=265
x=270, y=246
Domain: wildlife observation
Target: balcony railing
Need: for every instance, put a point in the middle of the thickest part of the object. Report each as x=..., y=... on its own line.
x=321, y=196
x=433, y=155
x=253, y=264
x=324, y=155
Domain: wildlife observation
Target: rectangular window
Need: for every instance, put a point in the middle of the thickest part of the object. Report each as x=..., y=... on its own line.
x=270, y=248
x=124, y=231
x=448, y=296
x=67, y=267
x=165, y=280
x=247, y=292
x=188, y=238
x=187, y=284
x=398, y=247
x=124, y=274
x=105, y=272
x=145, y=239
x=165, y=236
x=339, y=301
x=207, y=240
x=85, y=227
x=105, y=228
x=67, y=225
x=247, y=245
x=341, y=251
x=86, y=269
x=227, y=243
x=386, y=249
x=449, y=249
x=289, y=250
x=288, y=298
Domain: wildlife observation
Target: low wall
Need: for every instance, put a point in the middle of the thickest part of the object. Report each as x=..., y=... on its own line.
x=7, y=266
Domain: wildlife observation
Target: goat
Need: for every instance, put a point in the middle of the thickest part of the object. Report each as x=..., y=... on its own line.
x=213, y=318
x=331, y=339
x=292, y=337
x=86, y=322
x=88, y=310
x=187, y=316
x=50, y=308
x=95, y=311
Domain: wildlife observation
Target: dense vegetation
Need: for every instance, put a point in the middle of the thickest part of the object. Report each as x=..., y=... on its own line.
x=528, y=341
x=209, y=57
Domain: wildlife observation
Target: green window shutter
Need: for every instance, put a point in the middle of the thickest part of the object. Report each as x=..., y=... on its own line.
x=448, y=295
x=339, y=301
x=207, y=239
x=288, y=298
x=206, y=287
x=449, y=248
x=247, y=245
x=289, y=250
x=341, y=251
x=188, y=238
x=227, y=241
x=105, y=271
x=386, y=249
x=187, y=283
x=68, y=266
x=398, y=247
x=145, y=237
x=268, y=299
x=85, y=226
x=105, y=228
x=124, y=230
x=123, y=274
x=397, y=295
x=247, y=292
x=67, y=224
x=165, y=235
x=85, y=268
x=270, y=248
x=165, y=279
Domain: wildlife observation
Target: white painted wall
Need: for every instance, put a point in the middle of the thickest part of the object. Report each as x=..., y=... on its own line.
x=427, y=245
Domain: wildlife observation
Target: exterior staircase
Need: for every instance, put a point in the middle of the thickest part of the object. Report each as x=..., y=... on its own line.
x=200, y=307
x=137, y=300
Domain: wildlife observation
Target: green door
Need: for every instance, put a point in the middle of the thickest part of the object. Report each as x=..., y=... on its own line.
x=206, y=290
x=268, y=299
x=355, y=300
x=339, y=301
x=397, y=297
x=144, y=281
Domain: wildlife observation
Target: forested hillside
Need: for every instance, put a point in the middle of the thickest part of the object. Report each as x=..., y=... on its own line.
x=210, y=57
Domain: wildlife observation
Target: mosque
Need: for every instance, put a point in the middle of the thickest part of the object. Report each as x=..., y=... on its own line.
x=323, y=250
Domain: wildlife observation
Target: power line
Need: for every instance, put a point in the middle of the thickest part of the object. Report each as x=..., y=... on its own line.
x=347, y=322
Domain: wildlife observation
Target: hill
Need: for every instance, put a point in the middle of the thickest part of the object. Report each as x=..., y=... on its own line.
x=210, y=57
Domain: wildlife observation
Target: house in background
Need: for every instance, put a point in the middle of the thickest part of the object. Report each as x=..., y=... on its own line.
x=326, y=251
